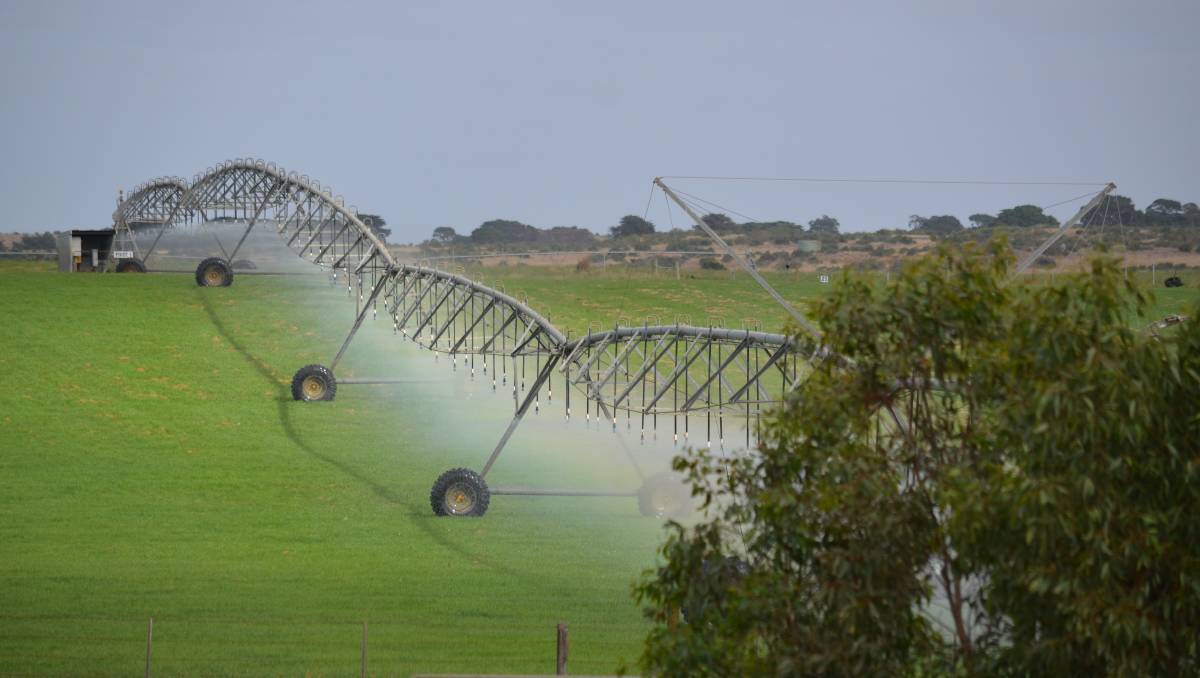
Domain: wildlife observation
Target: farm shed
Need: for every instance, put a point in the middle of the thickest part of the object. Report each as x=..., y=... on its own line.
x=83, y=250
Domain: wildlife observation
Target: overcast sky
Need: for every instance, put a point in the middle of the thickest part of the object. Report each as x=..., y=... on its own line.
x=561, y=113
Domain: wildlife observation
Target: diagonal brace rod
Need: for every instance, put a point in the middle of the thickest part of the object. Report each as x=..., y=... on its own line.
x=478, y=319
x=681, y=368
x=612, y=369
x=257, y=213
x=543, y=375
x=379, y=285
x=703, y=389
x=779, y=353
x=496, y=335
x=648, y=363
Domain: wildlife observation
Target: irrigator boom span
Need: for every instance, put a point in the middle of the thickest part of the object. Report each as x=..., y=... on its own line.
x=648, y=371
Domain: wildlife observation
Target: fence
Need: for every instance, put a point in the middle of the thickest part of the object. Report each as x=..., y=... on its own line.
x=31, y=256
x=54, y=645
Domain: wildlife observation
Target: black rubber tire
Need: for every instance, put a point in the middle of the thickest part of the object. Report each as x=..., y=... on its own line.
x=664, y=495
x=214, y=272
x=131, y=266
x=1173, y=281
x=473, y=495
x=314, y=383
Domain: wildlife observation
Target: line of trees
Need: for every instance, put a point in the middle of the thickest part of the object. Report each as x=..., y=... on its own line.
x=1020, y=216
x=32, y=242
x=1162, y=212
x=497, y=232
x=722, y=223
x=1118, y=209
x=509, y=232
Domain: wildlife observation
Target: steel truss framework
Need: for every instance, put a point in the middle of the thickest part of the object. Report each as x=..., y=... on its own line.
x=644, y=372
x=152, y=202
x=149, y=204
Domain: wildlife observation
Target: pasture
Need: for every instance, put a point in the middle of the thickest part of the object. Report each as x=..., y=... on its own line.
x=598, y=299
x=153, y=464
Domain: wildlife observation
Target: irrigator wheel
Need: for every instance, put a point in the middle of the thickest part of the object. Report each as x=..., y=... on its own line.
x=460, y=492
x=131, y=266
x=664, y=495
x=214, y=272
x=313, y=383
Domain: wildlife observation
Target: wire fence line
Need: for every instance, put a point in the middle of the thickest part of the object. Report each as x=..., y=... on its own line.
x=31, y=644
x=30, y=255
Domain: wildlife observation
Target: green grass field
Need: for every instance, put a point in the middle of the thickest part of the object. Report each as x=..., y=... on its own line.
x=577, y=301
x=598, y=299
x=153, y=464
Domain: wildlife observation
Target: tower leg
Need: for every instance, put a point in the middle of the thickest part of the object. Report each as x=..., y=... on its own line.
x=358, y=321
x=530, y=396
x=245, y=233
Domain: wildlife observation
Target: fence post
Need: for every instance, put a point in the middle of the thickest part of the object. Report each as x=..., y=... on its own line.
x=363, y=672
x=560, y=660
x=149, y=645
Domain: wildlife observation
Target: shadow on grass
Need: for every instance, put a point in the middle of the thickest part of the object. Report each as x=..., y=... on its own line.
x=419, y=513
x=281, y=404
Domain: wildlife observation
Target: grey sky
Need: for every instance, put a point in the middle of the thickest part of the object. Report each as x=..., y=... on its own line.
x=560, y=113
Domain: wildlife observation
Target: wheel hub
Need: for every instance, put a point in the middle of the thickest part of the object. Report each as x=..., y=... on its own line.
x=314, y=387
x=460, y=499
x=663, y=502
x=212, y=276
